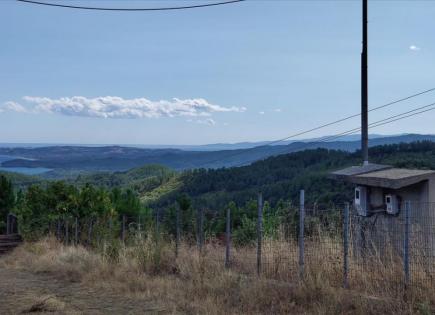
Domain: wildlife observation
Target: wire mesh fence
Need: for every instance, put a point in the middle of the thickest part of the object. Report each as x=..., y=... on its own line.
x=395, y=252
x=380, y=252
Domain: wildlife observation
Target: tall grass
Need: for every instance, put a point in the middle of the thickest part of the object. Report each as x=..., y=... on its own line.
x=197, y=282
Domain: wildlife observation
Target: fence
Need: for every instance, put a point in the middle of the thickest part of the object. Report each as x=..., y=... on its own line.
x=384, y=251
x=11, y=224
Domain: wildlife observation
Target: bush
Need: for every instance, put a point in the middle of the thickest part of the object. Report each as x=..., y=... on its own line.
x=246, y=233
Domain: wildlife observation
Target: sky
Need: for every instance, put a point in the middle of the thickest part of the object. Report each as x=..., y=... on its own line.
x=251, y=71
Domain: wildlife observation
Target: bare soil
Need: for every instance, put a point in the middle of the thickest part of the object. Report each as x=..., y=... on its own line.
x=23, y=292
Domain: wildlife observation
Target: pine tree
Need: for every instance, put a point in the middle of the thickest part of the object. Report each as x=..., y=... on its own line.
x=7, y=200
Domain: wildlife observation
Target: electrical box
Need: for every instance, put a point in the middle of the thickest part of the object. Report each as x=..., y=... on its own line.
x=361, y=201
x=392, y=203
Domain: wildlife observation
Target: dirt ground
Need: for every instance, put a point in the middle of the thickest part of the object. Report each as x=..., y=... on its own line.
x=23, y=292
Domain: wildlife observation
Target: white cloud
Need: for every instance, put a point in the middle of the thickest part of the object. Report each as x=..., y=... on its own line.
x=414, y=48
x=278, y=110
x=13, y=107
x=208, y=121
x=117, y=107
x=261, y=113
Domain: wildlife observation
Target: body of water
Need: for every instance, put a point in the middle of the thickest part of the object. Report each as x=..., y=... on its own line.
x=21, y=170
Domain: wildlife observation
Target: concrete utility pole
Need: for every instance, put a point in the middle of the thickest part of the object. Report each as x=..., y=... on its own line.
x=364, y=88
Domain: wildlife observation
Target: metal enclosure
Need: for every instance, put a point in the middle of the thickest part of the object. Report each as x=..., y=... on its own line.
x=381, y=193
x=392, y=203
x=361, y=201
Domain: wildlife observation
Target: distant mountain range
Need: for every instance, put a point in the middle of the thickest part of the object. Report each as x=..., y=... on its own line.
x=199, y=147
x=63, y=159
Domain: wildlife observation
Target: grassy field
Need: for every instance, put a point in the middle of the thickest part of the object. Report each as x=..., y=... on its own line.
x=197, y=283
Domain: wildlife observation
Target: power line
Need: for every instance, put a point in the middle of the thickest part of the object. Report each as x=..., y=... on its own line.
x=350, y=117
x=407, y=116
x=378, y=123
x=355, y=130
x=320, y=127
x=130, y=9
x=375, y=124
x=381, y=122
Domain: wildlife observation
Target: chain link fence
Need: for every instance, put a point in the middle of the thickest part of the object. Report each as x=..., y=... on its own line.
x=380, y=252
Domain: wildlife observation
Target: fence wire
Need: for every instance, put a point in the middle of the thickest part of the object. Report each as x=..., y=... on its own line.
x=380, y=252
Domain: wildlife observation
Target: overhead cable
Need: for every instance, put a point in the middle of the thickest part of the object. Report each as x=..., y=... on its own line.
x=67, y=6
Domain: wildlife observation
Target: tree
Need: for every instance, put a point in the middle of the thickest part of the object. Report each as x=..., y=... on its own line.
x=126, y=202
x=187, y=213
x=7, y=200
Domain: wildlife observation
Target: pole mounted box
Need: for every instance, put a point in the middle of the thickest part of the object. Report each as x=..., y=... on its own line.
x=362, y=201
x=392, y=204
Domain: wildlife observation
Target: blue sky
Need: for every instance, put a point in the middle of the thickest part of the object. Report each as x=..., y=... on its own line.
x=257, y=70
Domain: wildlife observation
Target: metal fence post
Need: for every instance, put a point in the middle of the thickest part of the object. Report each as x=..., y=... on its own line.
x=228, y=239
x=8, y=225
x=177, y=230
x=123, y=229
x=406, y=243
x=89, y=240
x=58, y=229
x=200, y=229
x=98, y=231
x=76, y=232
x=110, y=228
x=195, y=227
x=158, y=226
x=15, y=225
x=66, y=231
x=158, y=221
x=301, y=233
x=259, y=231
x=346, y=246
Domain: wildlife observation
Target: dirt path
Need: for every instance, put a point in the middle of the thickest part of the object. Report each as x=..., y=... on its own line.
x=25, y=292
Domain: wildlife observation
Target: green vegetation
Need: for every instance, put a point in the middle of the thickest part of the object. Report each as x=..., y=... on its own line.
x=280, y=178
x=141, y=179
x=39, y=207
x=149, y=182
x=154, y=189
x=21, y=181
x=7, y=200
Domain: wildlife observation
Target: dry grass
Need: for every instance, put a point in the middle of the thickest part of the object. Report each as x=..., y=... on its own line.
x=46, y=304
x=197, y=283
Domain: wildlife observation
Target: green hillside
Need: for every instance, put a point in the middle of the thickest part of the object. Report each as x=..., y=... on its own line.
x=281, y=177
x=142, y=191
x=21, y=180
x=141, y=179
x=278, y=178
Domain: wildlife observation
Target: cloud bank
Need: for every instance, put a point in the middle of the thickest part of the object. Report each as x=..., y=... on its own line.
x=118, y=107
x=414, y=48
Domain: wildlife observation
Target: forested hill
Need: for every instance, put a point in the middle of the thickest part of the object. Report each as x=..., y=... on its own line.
x=278, y=178
x=281, y=177
x=142, y=180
